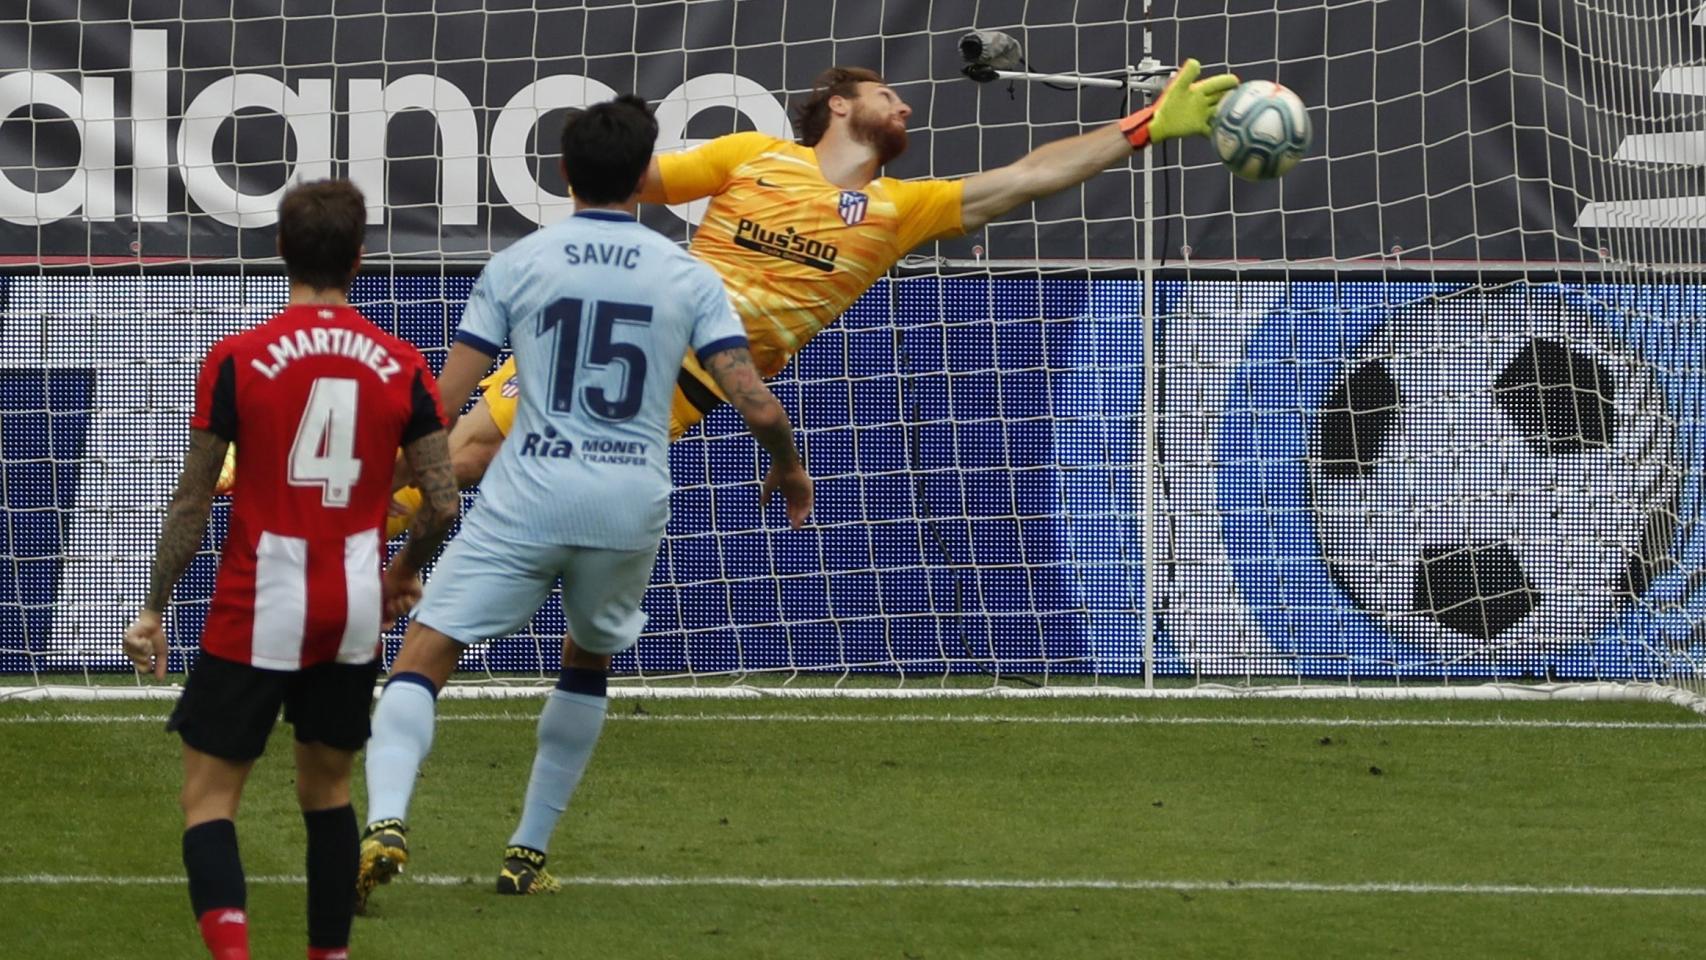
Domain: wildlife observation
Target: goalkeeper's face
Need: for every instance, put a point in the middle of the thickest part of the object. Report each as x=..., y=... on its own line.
x=878, y=120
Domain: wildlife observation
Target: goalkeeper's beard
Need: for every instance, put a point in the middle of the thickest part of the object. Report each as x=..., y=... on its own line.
x=886, y=135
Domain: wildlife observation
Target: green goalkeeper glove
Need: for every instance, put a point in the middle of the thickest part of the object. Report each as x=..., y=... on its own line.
x=1184, y=109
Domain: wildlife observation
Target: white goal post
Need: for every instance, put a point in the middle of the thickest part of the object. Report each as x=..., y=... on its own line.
x=1421, y=419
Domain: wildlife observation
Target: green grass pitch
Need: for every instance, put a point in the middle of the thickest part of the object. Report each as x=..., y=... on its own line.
x=907, y=830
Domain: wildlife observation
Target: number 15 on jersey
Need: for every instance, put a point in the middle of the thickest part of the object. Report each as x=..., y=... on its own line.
x=604, y=348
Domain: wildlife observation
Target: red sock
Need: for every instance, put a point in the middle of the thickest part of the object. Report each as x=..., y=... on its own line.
x=225, y=930
x=328, y=953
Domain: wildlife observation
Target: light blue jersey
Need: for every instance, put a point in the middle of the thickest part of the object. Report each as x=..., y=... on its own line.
x=599, y=311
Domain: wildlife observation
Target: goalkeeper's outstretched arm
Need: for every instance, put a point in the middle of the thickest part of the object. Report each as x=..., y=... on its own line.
x=1185, y=108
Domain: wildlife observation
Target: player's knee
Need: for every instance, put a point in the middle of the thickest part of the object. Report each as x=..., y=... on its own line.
x=576, y=658
x=202, y=803
x=429, y=653
x=320, y=792
x=322, y=776
x=212, y=787
x=321, y=795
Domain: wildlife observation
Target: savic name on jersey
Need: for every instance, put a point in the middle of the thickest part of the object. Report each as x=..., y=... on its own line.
x=608, y=254
x=599, y=312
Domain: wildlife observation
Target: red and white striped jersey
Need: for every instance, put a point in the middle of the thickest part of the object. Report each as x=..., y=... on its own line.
x=317, y=401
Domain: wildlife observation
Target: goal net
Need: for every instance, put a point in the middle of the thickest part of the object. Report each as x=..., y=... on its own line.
x=1421, y=416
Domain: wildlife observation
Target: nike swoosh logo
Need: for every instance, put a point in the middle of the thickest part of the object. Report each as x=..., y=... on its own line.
x=763, y=184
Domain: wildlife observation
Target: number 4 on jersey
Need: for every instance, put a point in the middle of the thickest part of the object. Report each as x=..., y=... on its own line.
x=324, y=452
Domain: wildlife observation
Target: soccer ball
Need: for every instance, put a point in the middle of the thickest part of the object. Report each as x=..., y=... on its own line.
x=1494, y=473
x=1261, y=130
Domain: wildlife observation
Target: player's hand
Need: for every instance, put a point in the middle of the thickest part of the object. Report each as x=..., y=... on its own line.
x=401, y=590
x=1187, y=106
x=796, y=487
x=145, y=644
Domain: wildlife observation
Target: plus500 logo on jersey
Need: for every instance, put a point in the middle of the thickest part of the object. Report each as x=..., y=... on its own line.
x=786, y=244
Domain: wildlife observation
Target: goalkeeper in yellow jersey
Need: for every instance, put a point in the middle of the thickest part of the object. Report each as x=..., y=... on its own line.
x=799, y=230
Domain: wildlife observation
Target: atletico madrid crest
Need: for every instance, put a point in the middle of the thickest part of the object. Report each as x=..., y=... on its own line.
x=853, y=204
x=510, y=390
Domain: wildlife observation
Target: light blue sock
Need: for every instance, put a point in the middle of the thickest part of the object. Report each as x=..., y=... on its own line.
x=568, y=729
x=402, y=735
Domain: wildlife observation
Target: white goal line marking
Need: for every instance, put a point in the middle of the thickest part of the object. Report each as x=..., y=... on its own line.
x=983, y=718
x=954, y=883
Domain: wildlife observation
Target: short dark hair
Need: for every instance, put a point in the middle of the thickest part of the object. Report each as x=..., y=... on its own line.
x=811, y=115
x=607, y=148
x=321, y=225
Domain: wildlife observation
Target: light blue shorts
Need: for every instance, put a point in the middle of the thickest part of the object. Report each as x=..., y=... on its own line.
x=484, y=587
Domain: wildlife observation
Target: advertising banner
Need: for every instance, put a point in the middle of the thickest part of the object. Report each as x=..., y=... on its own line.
x=1355, y=478
x=1461, y=130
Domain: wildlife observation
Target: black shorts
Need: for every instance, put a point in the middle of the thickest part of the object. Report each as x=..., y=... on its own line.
x=228, y=709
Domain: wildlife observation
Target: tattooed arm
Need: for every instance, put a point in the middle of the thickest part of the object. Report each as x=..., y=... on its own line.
x=186, y=518
x=180, y=538
x=429, y=459
x=429, y=463
x=738, y=379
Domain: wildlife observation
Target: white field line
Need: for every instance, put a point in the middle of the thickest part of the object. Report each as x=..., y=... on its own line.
x=958, y=883
x=980, y=718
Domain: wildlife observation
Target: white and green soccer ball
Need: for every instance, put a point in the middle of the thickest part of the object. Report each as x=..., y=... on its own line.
x=1261, y=130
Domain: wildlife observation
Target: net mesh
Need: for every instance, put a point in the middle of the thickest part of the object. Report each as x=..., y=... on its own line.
x=1425, y=409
